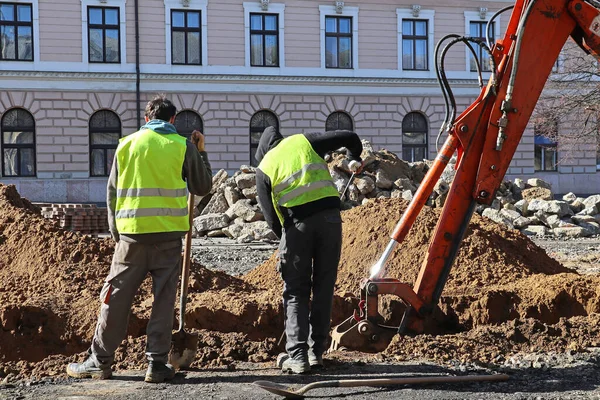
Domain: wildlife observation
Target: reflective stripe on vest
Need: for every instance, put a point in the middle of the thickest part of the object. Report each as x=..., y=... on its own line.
x=298, y=174
x=151, y=193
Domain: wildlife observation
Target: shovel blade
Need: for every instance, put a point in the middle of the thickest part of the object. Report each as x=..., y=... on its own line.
x=278, y=389
x=183, y=349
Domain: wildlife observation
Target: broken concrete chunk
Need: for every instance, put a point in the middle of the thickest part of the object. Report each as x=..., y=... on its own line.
x=522, y=207
x=232, y=195
x=592, y=201
x=588, y=211
x=569, y=197
x=520, y=183
x=574, y=232
x=521, y=222
x=537, y=182
x=535, y=230
x=233, y=231
x=217, y=204
x=407, y=195
x=364, y=184
x=511, y=215
x=210, y=222
x=250, y=193
x=247, y=169
x=219, y=178
x=537, y=193
x=245, y=181
x=216, y=233
x=382, y=181
x=495, y=216
x=592, y=227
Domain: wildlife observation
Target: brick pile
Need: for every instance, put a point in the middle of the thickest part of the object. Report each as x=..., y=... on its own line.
x=84, y=218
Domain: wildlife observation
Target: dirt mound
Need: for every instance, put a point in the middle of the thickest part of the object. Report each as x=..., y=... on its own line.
x=500, y=279
x=489, y=254
x=50, y=280
x=503, y=295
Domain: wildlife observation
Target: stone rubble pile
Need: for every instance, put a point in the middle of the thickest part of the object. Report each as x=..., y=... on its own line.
x=231, y=208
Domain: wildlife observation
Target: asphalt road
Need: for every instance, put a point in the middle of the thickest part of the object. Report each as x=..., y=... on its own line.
x=581, y=381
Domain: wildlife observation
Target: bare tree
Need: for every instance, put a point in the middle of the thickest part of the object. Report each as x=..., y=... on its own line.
x=569, y=109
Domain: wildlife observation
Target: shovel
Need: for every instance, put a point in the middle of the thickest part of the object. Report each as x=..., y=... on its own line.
x=290, y=393
x=184, y=344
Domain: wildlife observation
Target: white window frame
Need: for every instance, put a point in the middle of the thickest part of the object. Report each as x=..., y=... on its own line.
x=475, y=16
x=346, y=12
x=122, y=32
x=425, y=15
x=273, y=8
x=190, y=5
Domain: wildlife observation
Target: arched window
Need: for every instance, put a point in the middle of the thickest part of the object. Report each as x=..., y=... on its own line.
x=18, y=143
x=105, y=132
x=339, y=120
x=414, y=137
x=188, y=121
x=258, y=123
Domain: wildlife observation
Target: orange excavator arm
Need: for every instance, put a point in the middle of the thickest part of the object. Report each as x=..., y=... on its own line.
x=485, y=136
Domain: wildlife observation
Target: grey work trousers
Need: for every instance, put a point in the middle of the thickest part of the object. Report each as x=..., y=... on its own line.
x=130, y=265
x=309, y=253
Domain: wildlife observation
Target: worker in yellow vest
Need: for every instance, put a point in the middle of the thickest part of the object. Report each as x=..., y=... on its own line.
x=302, y=206
x=151, y=174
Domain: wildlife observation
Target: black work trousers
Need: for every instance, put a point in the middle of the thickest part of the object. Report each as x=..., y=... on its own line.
x=309, y=253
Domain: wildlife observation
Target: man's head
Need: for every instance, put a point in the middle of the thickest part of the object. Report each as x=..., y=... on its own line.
x=269, y=139
x=160, y=108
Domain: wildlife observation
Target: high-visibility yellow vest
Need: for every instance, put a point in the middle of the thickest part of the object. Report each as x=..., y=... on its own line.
x=151, y=193
x=298, y=174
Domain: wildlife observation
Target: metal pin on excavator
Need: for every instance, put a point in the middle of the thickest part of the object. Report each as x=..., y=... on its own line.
x=485, y=136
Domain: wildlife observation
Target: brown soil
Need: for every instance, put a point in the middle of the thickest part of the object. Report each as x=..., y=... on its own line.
x=503, y=295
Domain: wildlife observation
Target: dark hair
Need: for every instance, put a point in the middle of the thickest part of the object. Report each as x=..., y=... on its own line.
x=160, y=108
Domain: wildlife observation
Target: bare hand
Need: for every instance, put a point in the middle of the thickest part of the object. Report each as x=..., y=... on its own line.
x=355, y=166
x=198, y=140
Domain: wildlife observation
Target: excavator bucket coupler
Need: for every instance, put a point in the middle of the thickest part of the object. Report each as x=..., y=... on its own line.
x=364, y=331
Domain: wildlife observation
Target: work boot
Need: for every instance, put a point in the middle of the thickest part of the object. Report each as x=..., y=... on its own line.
x=89, y=369
x=315, y=361
x=159, y=372
x=281, y=358
x=295, y=366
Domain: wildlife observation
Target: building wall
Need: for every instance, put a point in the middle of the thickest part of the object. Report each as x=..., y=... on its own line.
x=62, y=90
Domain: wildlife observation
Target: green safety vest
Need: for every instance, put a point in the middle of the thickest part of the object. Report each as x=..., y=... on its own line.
x=151, y=193
x=298, y=174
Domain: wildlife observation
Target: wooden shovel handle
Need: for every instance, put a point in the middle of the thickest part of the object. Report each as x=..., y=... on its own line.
x=185, y=269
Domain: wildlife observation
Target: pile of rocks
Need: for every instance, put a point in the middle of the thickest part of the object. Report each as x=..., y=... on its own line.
x=530, y=207
x=231, y=208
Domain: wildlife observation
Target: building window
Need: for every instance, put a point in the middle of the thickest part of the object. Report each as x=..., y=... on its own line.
x=104, y=35
x=414, y=44
x=258, y=123
x=16, y=32
x=338, y=42
x=18, y=143
x=105, y=132
x=264, y=40
x=186, y=37
x=339, y=121
x=264, y=34
x=414, y=137
x=545, y=146
x=188, y=121
x=477, y=31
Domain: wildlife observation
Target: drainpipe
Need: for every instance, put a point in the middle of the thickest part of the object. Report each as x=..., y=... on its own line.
x=137, y=64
